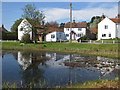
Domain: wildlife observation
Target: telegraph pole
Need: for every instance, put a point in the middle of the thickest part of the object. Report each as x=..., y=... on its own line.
x=70, y=22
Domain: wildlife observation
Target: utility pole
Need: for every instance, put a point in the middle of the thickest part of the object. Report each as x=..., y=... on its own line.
x=70, y=23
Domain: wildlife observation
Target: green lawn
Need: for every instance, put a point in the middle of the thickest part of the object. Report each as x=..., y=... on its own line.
x=106, y=50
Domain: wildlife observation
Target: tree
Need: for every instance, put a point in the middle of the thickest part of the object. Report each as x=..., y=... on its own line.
x=37, y=17
x=62, y=25
x=14, y=27
x=26, y=38
x=52, y=24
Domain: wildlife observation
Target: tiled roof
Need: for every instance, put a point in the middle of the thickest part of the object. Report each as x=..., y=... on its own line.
x=76, y=25
x=115, y=20
x=3, y=29
x=40, y=29
x=52, y=29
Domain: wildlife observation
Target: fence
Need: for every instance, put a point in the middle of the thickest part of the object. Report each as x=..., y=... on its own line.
x=9, y=41
x=100, y=41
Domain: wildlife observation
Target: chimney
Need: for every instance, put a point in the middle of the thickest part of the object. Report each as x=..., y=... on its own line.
x=102, y=16
x=2, y=26
x=73, y=21
x=118, y=16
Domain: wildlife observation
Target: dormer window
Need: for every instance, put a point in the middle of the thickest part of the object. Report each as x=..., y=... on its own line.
x=106, y=26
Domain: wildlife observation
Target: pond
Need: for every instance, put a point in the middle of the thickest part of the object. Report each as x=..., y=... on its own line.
x=55, y=68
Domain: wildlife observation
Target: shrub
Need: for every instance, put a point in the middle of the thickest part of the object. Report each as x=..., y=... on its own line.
x=9, y=36
x=26, y=38
x=85, y=37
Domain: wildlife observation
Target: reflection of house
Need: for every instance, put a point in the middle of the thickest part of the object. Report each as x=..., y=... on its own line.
x=108, y=28
x=23, y=62
x=106, y=65
x=56, y=60
x=78, y=30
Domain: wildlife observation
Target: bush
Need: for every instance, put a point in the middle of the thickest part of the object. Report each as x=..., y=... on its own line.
x=85, y=37
x=26, y=38
x=9, y=36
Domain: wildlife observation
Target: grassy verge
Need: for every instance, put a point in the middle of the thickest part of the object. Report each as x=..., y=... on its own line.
x=88, y=84
x=106, y=50
x=97, y=84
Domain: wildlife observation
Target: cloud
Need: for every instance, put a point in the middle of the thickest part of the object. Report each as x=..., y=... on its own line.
x=54, y=14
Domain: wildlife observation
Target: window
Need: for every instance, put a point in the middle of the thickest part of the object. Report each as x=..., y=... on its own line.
x=60, y=35
x=52, y=36
x=109, y=35
x=78, y=35
x=103, y=35
x=67, y=29
x=79, y=29
x=106, y=26
x=67, y=35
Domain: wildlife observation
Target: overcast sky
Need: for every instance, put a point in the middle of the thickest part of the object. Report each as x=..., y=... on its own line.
x=59, y=11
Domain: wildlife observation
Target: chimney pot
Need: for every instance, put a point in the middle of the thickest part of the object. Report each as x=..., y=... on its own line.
x=73, y=21
x=119, y=16
x=2, y=26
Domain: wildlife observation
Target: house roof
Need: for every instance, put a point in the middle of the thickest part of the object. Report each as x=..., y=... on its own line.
x=76, y=25
x=3, y=29
x=115, y=20
x=93, y=30
x=52, y=29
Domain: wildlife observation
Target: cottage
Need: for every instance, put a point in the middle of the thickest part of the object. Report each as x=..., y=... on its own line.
x=26, y=27
x=55, y=34
x=109, y=28
x=78, y=30
x=23, y=28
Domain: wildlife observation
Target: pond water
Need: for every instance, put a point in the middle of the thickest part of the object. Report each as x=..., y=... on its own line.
x=55, y=68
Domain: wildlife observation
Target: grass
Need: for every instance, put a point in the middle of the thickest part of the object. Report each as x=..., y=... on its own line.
x=106, y=50
x=97, y=84
x=14, y=85
x=111, y=83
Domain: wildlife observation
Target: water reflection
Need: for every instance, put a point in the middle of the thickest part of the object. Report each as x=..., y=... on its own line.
x=57, y=68
x=30, y=62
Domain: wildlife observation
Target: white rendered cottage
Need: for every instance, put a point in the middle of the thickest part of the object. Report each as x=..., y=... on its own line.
x=26, y=28
x=55, y=36
x=78, y=30
x=109, y=28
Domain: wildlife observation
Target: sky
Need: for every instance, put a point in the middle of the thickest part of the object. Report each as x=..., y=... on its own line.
x=59, y=11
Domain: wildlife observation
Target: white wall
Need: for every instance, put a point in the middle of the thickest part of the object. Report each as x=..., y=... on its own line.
x=27, y=27
x=48, y=36
x=111, y=29
x=58, y=36
x=118, y=30
x=25, y=63
x=82, y=32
